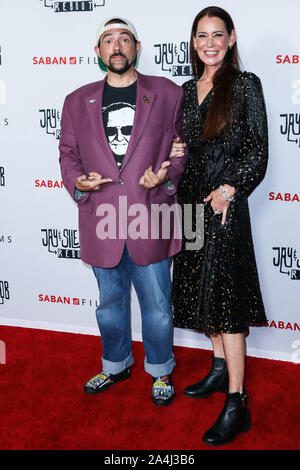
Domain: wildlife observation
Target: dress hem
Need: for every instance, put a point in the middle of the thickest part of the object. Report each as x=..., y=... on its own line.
x=221, y=331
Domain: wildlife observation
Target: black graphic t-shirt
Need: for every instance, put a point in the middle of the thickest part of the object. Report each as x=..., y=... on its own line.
x=118, y=108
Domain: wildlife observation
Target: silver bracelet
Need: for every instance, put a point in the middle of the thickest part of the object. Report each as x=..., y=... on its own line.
x=223, y=193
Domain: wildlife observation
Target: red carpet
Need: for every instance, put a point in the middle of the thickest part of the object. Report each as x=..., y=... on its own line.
x=44, y=407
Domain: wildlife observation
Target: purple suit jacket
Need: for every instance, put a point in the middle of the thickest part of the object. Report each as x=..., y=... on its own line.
x=84, y=148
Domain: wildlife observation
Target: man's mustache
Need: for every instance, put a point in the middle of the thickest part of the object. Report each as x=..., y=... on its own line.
x=118, y=54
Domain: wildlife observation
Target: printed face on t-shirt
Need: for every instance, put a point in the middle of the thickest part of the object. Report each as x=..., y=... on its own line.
x=119, y=126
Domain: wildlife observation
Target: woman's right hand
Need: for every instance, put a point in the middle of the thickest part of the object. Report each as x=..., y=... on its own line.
x=177, y=148
x=218, y=203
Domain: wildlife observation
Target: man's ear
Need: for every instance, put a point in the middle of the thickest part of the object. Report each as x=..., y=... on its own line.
x=97, y=51
x=138, y=46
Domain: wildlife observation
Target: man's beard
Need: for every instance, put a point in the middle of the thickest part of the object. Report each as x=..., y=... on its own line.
x=121, y=70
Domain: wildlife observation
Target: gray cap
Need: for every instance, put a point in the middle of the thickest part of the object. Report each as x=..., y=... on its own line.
x=102, y=28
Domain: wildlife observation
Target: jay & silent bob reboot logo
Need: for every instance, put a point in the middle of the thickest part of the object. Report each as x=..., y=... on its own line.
x=73, y=6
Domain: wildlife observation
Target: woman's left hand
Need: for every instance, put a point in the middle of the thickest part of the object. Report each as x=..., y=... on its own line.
x=178, y=148
x=218, y=203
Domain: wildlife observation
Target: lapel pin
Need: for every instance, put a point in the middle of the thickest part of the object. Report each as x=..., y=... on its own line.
x=92, y=101
x=146, y=99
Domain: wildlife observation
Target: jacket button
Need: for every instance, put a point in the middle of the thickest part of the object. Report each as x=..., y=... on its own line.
x=121, y=181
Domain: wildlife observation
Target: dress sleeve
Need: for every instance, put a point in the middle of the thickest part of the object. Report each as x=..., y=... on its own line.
x=176, y=168
x=249, y=167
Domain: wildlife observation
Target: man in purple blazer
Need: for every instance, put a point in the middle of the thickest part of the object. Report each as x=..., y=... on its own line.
x=116, y=138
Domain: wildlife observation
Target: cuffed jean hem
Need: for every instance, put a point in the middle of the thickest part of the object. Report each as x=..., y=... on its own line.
x=157, y=370
x=117, y=367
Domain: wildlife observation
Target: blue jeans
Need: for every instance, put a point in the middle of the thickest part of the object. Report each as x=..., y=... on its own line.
x=152, y=284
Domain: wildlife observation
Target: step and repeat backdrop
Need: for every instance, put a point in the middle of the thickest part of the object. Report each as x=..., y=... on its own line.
x=46, y=51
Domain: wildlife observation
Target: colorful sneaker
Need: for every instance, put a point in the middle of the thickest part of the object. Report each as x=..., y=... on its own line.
x=162, y=391
x=103, y=381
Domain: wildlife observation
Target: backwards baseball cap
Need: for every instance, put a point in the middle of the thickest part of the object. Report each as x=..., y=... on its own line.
x=116, y=24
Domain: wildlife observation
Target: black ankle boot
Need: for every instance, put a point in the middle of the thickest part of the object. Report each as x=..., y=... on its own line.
x=234, y=418
x=215, y=381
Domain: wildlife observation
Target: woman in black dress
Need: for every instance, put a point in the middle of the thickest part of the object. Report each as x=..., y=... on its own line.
x=216, y=288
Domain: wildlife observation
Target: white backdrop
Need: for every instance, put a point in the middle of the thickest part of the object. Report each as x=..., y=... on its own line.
x=46, y=51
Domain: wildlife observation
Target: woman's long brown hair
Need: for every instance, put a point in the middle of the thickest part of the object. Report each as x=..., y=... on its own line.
x=219, y=116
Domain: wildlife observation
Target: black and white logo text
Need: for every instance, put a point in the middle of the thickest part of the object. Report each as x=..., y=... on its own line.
x=63, y=243
x=73, y=6
x=4, y=292
x=50, y=121
x=173, y=58
x=287, y=261
x=2, y=176
x=290, y=127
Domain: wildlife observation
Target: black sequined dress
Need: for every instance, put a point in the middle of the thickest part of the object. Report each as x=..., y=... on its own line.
x=216, y=288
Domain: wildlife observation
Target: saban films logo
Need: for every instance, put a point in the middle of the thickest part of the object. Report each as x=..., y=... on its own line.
x=287, y=261
x=284, y=197
x=3, y=122
x=63, y=243
x=64, y=60
x=50, y=121
x=49, y=184
x=61, y=299
x=5, y=239
x=73, y=6
x=173, y=58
